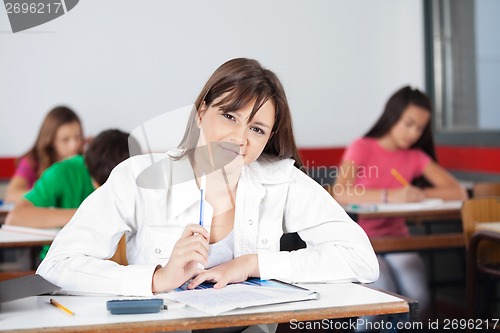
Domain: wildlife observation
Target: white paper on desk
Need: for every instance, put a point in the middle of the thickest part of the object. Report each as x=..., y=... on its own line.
x=236, y=296
x=409, y=206
x=45, y=232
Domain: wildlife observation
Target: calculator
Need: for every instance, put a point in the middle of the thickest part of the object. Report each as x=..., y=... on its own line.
x=134, y=306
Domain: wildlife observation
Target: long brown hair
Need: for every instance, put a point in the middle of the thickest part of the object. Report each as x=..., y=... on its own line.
x=393, y=111
x=43, y=153
x=245, y=81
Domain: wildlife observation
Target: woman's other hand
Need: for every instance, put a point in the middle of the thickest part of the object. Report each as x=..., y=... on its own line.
x=234, y=271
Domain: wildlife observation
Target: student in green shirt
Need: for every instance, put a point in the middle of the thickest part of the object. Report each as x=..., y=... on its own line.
x=64, y=186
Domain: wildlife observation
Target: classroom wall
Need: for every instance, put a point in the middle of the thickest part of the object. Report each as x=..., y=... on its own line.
x=119, y=63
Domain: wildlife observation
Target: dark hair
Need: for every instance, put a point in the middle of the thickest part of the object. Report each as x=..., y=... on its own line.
x=105, y=152
x=393, y=111
x=245, y=81
x=43, y=153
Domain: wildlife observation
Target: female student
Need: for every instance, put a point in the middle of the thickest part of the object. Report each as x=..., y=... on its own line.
x=239, y=147
x=60, y=136
x=64, y=185
x=400, y=140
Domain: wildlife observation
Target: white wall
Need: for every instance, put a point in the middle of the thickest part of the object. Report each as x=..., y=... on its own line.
x=119, y=63
x=488, y=63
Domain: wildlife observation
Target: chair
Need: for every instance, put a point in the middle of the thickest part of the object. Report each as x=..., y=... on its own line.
x=483, y=247
x=480, y=210
x=486, y=189
x=120, y=256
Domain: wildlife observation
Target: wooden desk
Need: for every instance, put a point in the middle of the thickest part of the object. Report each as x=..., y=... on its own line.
x=429, y=242
x=10, y=239
x=418, y=243
x=488, y=226
x=18, y=240
x=446, y=211
x=337, y=301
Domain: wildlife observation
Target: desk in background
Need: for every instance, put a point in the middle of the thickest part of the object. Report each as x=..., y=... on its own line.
x=427, y=215
x=12, y=239
x=442, y=211
x=488, y=226
x=444, y=241
x=16, y=239
x=337, y=301
x=445, y=213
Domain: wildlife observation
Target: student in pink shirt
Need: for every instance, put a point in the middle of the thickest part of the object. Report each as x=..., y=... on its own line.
x=400, y=139
x=60, y=136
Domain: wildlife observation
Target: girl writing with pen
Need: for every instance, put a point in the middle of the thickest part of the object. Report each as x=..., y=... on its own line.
x=396, y=151
x=240, y=137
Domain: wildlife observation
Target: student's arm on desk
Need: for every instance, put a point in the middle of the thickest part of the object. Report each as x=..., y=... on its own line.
x=78, y=257
x=27, y=215
x=338, y=250
x=445, y=186
x=16, y=189
x=345, y=192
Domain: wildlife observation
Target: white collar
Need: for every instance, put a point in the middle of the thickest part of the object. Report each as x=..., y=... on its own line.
x=271, y=170
x=184, y=189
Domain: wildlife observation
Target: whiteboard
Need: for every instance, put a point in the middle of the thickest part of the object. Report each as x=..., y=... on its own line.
x=120, y=63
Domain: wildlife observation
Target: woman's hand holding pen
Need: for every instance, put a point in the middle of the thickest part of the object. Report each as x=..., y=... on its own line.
x=406, y=194
x=236, y=270
x=189, y=251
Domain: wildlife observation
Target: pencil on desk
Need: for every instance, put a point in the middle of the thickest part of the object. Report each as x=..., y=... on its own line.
x=399, y=178
x=60, y=306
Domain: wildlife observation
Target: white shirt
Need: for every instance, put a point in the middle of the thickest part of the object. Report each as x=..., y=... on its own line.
x=221, y=251
x=273, y=197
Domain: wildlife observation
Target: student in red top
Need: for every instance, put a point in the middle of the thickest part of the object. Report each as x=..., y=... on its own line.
x=60, y=137
x=401, y=139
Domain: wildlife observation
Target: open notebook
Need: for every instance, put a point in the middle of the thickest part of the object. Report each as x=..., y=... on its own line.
x=406, y=206
x=253, y=292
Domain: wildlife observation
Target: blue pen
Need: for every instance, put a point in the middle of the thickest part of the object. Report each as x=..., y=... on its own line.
x=203, y=185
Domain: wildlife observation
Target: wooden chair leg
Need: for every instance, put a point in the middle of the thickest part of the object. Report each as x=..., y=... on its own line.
x=472, y=276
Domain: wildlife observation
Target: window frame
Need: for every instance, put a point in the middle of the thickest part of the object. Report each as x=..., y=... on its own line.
x=435, y=87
